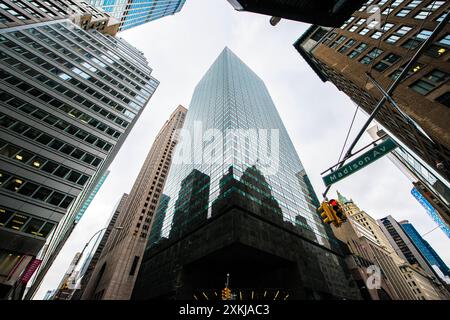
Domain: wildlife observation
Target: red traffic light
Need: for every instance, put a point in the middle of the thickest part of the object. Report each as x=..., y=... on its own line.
x=333, y=202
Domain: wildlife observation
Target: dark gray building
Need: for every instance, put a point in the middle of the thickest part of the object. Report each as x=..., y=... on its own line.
x=69, y=98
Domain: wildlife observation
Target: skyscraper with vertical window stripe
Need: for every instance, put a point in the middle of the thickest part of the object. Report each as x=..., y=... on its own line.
x=133, y=13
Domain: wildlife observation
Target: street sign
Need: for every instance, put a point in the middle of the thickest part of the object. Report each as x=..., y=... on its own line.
x=365, y=159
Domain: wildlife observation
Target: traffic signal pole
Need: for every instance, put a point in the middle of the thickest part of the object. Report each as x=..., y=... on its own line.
x=391, y=89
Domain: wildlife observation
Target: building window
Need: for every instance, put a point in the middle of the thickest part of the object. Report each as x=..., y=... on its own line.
x=408, y=8
x=358, y=50
x=387, y=62
x=346, y=46
x=437, y=49
x=444, y=99
x=372, y=55
x=338, y=41
x=429, y=82
x=398, y=34
x=417, y=67
x=357, y=25
x=428, y=10
x=418, y=39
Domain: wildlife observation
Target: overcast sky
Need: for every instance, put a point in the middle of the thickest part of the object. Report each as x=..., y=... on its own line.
x=181, y=48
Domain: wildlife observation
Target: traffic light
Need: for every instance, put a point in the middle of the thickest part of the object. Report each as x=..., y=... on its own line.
x=226, y=294
x=326, y=212
x=332, y=212
x=338, y=212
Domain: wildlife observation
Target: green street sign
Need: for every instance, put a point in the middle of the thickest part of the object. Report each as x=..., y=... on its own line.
x=365, y=159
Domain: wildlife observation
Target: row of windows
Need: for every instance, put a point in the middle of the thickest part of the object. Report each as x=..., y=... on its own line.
x=36, y=93
x=44, y=139
x=10, y=61
x=79, y=49
x=64, y=62
x=58, y=123
x=22, y=222
x=102, y=51
x=35, y=191
x=406, y=10
x=58, y=72
x=424, y=86
x=40, y=163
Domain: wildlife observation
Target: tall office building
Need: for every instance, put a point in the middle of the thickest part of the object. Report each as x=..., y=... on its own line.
x=15, y=13
x=343, y=56
x=91, y=263
x=366, y=251
x=364, y=219
x=69, y=98
x=424, y=247
x=432, y=191
x=132, y=13
x=408, y=281
x=116, y=269
x=233, y=206
x=404, y=245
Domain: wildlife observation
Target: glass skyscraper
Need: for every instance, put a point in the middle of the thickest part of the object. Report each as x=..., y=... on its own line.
x=229, y=199
x=424, y=248
x=132, y=13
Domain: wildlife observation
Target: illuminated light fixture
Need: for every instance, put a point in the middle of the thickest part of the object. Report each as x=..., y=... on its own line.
x=37, y=164
x=2, y=210
x=253, y=294
x=416, y=68
x=240, y=294
x=286, y=296
x=19, y=157
x=441, y=51
x=16, y=228
x=205, y=295
x=71, y=114
x=265, y=292
x=278, y=291
x=18, y=181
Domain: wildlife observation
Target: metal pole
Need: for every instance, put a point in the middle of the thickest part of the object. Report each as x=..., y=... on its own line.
x=393, y=86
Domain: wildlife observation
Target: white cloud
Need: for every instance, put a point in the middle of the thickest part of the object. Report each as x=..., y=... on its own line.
x=181, y=48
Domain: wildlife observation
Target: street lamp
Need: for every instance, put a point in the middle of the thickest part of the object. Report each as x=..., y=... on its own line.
x=274, y=21
x=79, y=276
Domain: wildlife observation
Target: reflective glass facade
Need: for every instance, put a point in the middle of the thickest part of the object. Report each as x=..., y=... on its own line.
x=132, y=13
x=424, y=248
x=232, y=96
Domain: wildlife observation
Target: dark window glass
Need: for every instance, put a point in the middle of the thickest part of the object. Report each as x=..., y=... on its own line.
x=17, y=222
x=50, y=166
x=37, y=162
x=74, y=176
x=56, y=198
x=46, y=229
x=67, y=149
x=5, y=214
x=66, y=202
x=42, y=193
x=28, y=189
x=44, y=139
x=32, y=133
x=88, y=158
x=33, y=227
x=56, y=144
x=61, y=171
x=23, y=156
x=444, y=99
x=83, y=180
x=14, y=184
x=9, y=151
